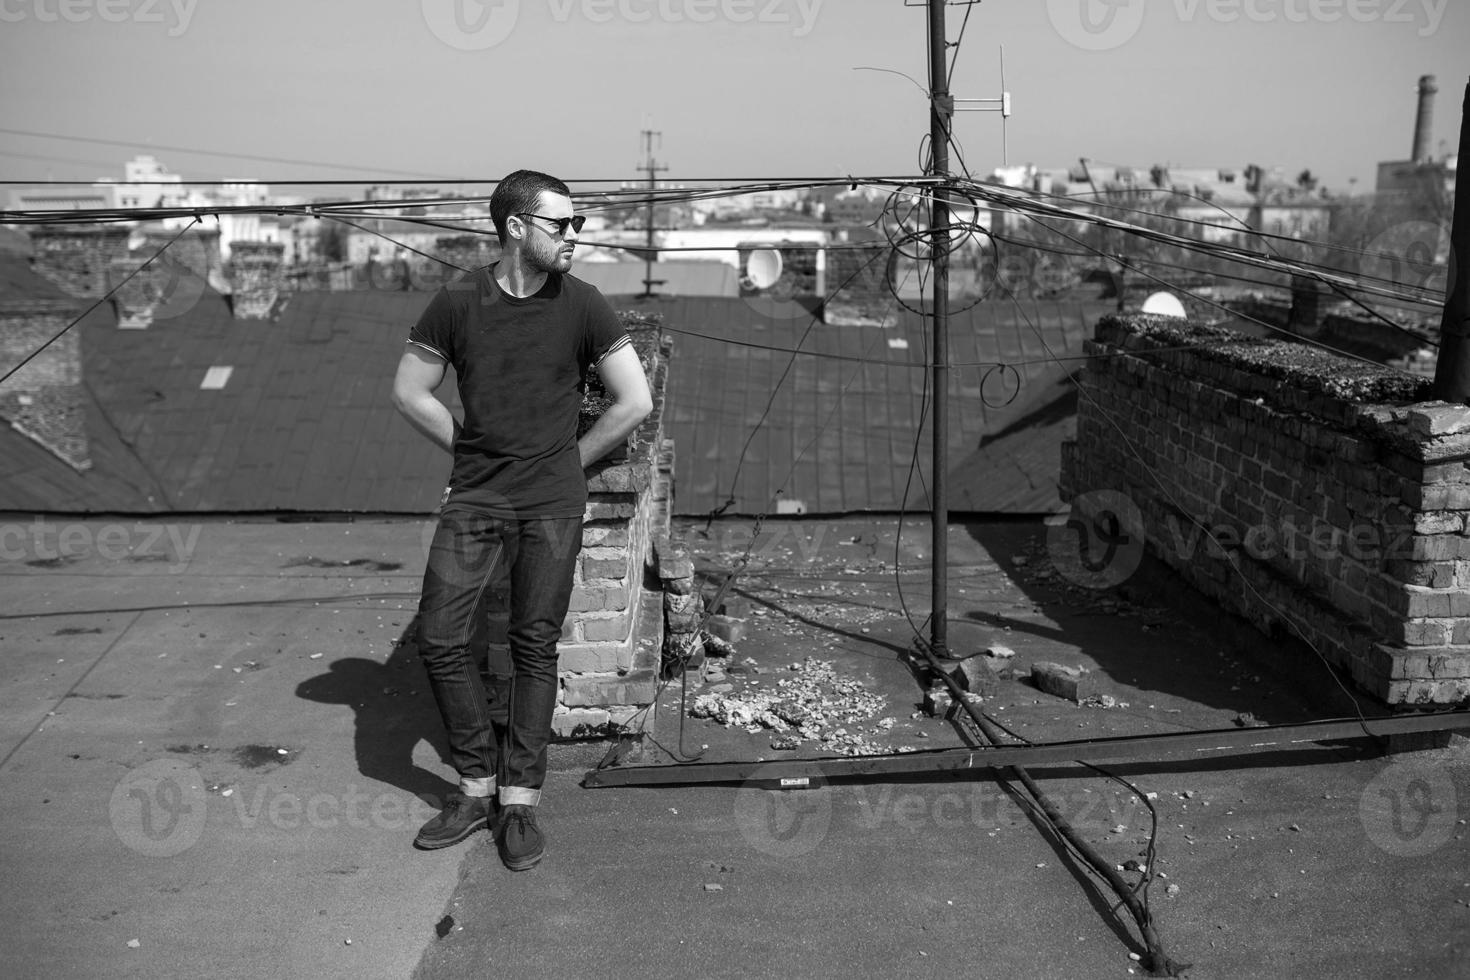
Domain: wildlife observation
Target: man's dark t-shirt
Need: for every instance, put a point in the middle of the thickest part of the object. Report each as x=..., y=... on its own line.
x=520, y=364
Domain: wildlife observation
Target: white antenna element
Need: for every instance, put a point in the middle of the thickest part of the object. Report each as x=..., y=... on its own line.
x=1165, y=304
x=1001, y=105
x=763, y=268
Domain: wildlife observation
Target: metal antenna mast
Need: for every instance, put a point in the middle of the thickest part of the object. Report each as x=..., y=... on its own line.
x=941, y=110
x=651, y=167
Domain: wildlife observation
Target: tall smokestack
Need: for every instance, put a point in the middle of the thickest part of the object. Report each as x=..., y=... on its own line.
x=1424, y=123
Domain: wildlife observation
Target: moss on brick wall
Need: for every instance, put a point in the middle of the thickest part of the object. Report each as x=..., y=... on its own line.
x=1314, y=495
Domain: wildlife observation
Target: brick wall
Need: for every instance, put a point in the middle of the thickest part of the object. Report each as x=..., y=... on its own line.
x=613, y=635
x=857, y=286
x=1338, y=499
x=45, y=399
x=197, y=249
x=78, y=259
x=466, y=252
x=257, y=280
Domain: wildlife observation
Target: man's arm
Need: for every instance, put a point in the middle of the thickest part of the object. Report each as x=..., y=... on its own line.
x=419, y=374
x=622, y=376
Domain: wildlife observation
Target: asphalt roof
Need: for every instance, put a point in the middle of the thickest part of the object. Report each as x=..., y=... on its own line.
x=841, y=430
x=305, y=422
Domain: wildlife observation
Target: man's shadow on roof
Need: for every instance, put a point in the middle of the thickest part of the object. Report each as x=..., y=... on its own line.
x=395, y=712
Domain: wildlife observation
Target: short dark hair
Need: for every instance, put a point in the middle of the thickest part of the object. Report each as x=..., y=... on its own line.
x=521, y=192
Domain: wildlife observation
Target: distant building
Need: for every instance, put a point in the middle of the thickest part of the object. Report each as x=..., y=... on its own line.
x=1422, y=184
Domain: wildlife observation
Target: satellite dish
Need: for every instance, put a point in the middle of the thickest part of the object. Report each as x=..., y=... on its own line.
x=1165, y=304
x=763, y=268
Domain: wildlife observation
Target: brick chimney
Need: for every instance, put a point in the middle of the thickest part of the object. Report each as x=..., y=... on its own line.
x=196, y=250
x=1424, y=121
x=77, y=259
x=466, y=251
x=138, y=292
x=257, y=280
x=45, y=399
x=857, y=284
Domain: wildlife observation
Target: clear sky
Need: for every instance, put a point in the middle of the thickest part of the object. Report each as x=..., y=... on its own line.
x=738, y=88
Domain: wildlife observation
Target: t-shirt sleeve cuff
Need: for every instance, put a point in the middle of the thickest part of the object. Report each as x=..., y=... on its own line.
x=618, y=344
x=432, y=350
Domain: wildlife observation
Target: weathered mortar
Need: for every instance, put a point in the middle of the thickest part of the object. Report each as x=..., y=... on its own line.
x=614, y=628
x=45, y=399
x=1335, y=499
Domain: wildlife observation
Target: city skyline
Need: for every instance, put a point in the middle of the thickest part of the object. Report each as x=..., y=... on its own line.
x=757, y=89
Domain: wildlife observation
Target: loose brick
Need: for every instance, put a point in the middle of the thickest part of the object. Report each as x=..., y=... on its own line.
x=977, y=675
x=1059, y=680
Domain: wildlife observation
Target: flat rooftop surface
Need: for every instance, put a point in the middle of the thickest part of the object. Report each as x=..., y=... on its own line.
x=218, y=744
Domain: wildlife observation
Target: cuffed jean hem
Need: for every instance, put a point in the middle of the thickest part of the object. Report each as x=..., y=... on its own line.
x=479, y=788
x=519, y=796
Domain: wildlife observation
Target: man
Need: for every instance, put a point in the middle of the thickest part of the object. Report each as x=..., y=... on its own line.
x=520, y=335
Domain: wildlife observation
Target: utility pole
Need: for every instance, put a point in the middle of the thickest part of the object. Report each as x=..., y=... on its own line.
x=651, y=167
x=941, y=111
x=1452, y=372
x=1106, y=238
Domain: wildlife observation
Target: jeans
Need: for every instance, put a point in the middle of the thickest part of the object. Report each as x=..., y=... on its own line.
x=495, y=595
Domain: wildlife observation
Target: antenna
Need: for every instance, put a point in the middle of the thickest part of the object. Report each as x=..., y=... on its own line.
x=651, y=167
x=1001, y=105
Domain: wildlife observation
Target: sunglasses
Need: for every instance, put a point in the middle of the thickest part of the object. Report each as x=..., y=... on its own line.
x=576, y=222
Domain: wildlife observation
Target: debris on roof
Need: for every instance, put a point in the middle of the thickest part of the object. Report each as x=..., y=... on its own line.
x=814, y=704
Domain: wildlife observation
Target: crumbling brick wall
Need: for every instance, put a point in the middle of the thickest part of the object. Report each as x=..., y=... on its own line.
x=78, y=259
x=857, y=286
x=45, y=399
x=1313, y=495
x=613, y=633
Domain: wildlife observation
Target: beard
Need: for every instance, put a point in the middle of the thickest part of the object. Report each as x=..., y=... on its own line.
x=546, y=254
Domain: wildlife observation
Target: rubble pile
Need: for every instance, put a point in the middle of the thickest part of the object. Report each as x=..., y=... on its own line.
x=813, y=704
